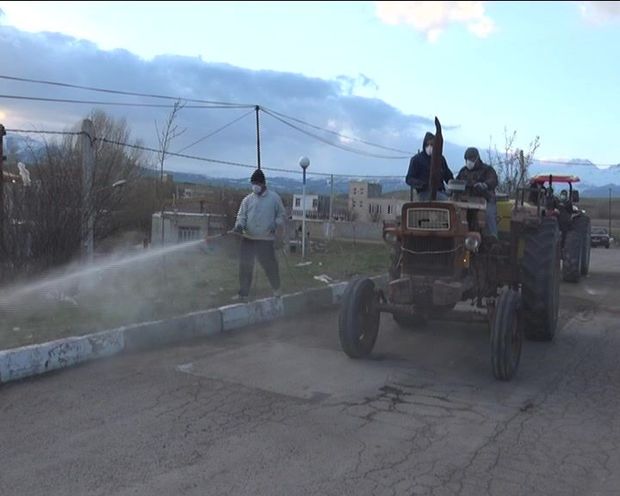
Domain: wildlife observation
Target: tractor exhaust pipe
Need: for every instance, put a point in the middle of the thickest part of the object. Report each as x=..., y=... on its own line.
x=436, y=166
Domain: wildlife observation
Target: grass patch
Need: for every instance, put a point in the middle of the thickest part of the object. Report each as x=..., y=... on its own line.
x=170, y=285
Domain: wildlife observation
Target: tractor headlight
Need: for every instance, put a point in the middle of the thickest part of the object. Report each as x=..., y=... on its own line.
x=472, y=242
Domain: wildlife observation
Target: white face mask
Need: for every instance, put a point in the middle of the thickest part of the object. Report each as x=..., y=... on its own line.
x=469, y=164
x=257, y=189
x=429, y=150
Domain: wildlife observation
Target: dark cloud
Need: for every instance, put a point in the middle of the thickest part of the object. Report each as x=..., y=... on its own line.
x=58, y=57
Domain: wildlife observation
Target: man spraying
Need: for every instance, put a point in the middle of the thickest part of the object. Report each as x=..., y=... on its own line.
x=260, y=221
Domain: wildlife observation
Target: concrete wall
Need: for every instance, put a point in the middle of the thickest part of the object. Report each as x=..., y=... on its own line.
x=344, y=230
x=174, y=222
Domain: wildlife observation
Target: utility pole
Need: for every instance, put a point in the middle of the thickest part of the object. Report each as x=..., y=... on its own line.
x=331, y=197
x=2, y=135
x=609, y=211
x=88, y=166
x=331, y=206
x=257, y=109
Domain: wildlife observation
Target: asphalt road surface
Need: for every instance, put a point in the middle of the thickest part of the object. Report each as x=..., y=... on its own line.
x=280, y=410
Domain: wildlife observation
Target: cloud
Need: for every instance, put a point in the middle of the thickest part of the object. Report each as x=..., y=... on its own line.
x=600, y=12
x=322, y=102
x=432, y=18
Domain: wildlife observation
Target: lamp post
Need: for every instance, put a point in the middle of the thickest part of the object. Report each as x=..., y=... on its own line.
x=304, y=162
x=90, y=233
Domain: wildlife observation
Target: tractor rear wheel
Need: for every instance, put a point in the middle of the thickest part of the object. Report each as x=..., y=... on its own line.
x=572, y=254
x=506, y=336
x=582, y=226
x=358, y=322
x=540, y=281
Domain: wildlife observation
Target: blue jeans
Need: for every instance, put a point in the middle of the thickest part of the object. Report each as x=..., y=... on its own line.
x=491, y=218
x=426, y=196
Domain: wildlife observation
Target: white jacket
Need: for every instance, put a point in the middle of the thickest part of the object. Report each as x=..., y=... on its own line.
x=260, y=215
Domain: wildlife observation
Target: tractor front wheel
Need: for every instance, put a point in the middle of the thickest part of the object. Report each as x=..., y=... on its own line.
x=506, y=336
x=359, y=318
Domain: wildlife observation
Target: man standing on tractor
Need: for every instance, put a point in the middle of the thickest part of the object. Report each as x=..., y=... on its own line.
x=481, y=181
x=418, y=175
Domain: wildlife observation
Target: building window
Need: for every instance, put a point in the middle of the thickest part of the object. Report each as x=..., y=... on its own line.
x=389, y=209
x=354, y=191
x=315, y=203
x=353, y=203
x=370, y=209
x=298, y=202
x=361, y=191
x=188, y=233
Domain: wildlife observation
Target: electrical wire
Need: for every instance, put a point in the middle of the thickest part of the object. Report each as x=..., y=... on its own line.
x=213, y=133
x=121, y=92
x=98, y=102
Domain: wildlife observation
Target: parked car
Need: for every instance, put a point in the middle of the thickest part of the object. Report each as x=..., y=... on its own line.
x=600, y=237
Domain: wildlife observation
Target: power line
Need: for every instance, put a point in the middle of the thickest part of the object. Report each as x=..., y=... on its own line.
x=121, y=92
x=331, y=143
x=78, y=133
x=330, y=131
x=35, y=131
x=98, y=102
x=195, y=157
x=213, y=133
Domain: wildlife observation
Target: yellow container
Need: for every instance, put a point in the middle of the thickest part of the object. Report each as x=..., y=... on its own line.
x=504, y=212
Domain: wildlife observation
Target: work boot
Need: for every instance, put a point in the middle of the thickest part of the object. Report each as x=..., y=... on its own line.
x=240, y=299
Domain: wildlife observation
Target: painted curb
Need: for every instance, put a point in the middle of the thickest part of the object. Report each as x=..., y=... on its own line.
x=37, y=359
x=27, y=361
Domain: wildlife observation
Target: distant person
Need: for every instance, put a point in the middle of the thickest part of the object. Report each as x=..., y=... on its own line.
x=481, y=181
x=418, y=175
x=260, y=221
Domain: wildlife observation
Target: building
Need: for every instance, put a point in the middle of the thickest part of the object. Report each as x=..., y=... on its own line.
x=179, y=227
x=367, y=205
x=312, y=206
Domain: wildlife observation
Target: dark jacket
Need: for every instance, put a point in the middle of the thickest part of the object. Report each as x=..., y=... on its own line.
x=420, y=170
x=481, y=173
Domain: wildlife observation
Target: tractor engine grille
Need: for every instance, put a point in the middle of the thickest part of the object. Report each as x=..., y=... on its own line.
x=428, y=219
x=429, y=255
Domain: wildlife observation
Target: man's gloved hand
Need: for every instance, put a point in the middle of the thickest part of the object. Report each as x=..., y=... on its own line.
x=481, y=186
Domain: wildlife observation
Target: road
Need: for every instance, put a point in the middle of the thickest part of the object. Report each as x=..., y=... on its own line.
x=279, y=410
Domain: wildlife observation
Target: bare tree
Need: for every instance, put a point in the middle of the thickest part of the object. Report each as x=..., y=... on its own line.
x=168, y=133
x=46, y=220
x=507, y=163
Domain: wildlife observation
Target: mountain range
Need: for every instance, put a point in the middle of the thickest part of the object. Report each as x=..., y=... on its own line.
x=595, y=181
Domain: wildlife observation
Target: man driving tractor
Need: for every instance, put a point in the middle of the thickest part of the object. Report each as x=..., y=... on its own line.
x=481, y=181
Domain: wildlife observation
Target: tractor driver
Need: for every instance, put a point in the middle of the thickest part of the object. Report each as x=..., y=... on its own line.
x=481, y=181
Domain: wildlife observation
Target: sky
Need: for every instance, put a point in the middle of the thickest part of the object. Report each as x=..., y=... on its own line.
x=379, y=71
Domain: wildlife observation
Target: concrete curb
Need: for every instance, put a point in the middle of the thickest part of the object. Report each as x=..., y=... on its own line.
x=19, y=363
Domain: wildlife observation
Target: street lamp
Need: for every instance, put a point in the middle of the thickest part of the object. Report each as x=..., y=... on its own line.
x=304, y=162
x=90, y=221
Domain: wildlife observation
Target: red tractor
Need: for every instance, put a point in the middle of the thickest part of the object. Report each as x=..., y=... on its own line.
x=445, y=268
x=573, y=222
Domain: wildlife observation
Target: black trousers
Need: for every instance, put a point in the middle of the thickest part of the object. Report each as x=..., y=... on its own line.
x=265, y=252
